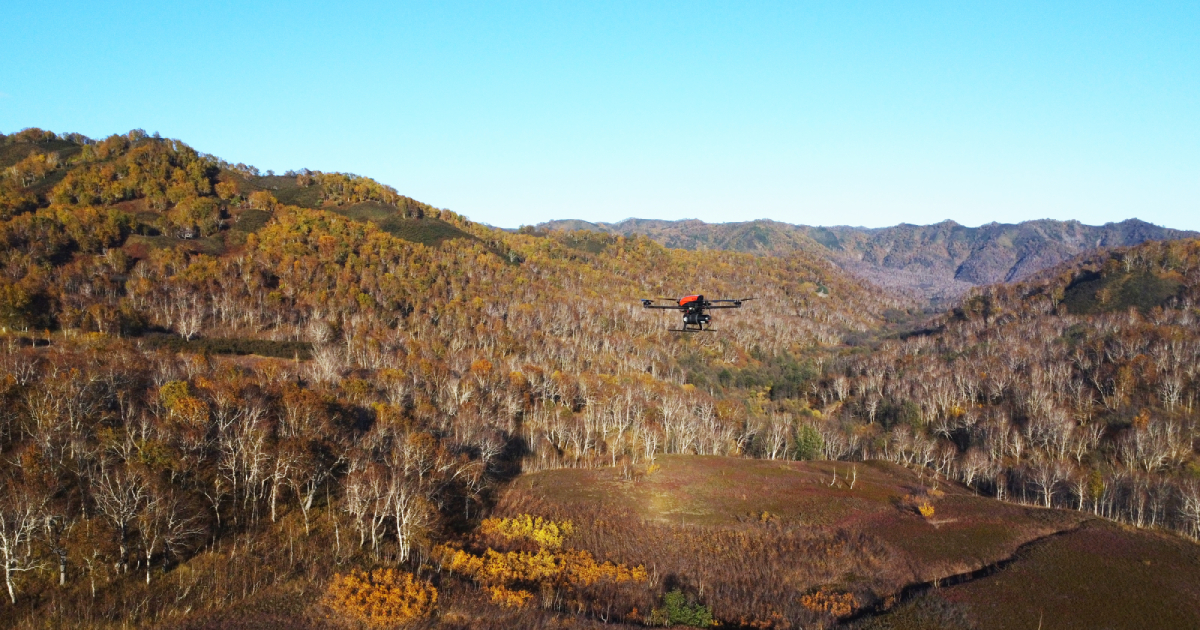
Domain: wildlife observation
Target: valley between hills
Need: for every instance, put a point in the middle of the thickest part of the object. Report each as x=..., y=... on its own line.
x=236, y=399
x=939, y=263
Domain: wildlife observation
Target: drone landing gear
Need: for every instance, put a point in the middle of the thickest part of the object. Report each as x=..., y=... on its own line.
x=690, y=330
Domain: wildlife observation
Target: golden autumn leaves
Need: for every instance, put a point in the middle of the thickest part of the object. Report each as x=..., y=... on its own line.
x=830, y=603
x=508, y=576
x=388, y=597
x=545, y=533
x=383, y=597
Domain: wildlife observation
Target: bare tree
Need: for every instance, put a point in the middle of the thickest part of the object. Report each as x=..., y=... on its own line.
x=1046, y=473
x=120, y=495
x=359, y=497
x=1189, y=506
x=190, y=317
x=328, y=363
x=20, y=519
x=1085, y=439
x=286, y=460
x=972, y=465
x=776, y=436
x=56, y=528
x=1170, y=391
x=410, y=511
x=164, y=524
x=1080, y=481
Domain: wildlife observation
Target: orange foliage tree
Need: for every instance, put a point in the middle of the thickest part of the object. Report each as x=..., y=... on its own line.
x=381, y=598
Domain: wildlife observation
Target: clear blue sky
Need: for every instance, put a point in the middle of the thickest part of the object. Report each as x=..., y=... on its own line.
x=513, y=113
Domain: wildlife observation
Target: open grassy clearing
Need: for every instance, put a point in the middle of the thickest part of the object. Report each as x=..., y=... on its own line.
x=296, y=350
x=431, y=232
x=1099, y=576
x=10, y=154
x=286, y=190
x=1095, y=293
x=427, y=231
x=702, y=516
x=966, y=532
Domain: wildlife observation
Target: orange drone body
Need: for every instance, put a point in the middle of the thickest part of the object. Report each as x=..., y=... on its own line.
x=693, y=307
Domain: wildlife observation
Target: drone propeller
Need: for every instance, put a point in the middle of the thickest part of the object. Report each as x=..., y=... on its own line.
x=672, y=304
x=728, y=303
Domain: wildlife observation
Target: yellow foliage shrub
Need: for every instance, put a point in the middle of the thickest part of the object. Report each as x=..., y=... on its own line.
x=568, y=568
x=830, y=603
x=509, y=598
x=543, y=532
x=458, y=561
x=922, y=505
x=507, y=575
x=383, y=597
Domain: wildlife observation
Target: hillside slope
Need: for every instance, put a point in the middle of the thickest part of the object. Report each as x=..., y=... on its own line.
x=222, y=387
x=937, y=262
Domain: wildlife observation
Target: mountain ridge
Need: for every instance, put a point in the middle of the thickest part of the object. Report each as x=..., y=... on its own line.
x=937, y=262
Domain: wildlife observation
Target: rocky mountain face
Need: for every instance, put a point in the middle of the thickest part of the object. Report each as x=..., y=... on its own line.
x=936, y=262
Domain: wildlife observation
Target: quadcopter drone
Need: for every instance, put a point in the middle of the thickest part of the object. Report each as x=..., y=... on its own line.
x=693, y=307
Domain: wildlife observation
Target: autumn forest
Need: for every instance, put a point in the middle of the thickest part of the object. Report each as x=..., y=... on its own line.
x=231, y=398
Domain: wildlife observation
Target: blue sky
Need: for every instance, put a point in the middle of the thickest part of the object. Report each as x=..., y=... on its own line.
x=862, y=113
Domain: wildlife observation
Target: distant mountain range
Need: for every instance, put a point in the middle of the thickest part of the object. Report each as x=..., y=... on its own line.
x=936, y=262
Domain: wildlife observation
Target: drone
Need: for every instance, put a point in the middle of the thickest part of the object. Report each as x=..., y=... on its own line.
x=693, y=307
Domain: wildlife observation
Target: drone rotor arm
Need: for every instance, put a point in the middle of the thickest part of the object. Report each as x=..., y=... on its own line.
x=650, y=304
x=727, y=303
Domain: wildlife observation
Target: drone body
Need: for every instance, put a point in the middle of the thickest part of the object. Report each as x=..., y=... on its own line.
x=693, y=307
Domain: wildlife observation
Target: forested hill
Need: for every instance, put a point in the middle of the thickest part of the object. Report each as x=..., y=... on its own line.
x=938, y=262
x=1082, y=382
x=135, y=211
x=215, y=381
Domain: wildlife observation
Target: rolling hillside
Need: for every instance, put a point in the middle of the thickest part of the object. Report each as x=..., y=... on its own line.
x=237, y=399
x=205, y=367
